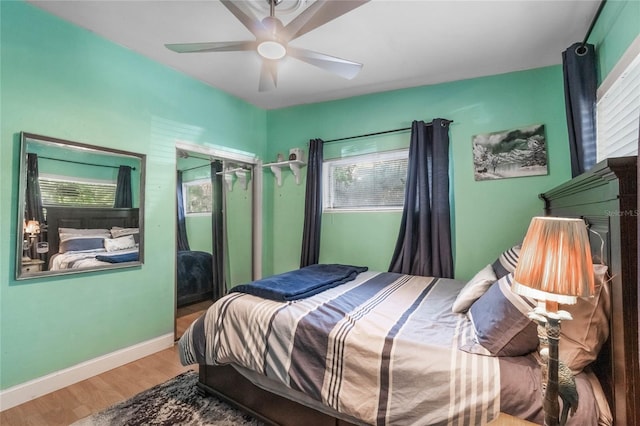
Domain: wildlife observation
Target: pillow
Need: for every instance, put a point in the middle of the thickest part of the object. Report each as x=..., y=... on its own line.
x=475, y=288
x=70, y=242
x=117, y=231
x=122, y=243
x=501, y=322
x=506, y=262
x=582, y=337
x=77, y=231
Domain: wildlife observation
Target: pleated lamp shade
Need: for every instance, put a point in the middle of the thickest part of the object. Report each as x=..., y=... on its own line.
x=555, y=261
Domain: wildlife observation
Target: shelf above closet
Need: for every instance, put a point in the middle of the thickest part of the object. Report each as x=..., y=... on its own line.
x=293, y=165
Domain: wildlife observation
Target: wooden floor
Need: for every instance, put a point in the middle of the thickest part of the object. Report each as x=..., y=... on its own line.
x=84, y=398
x=90, y=396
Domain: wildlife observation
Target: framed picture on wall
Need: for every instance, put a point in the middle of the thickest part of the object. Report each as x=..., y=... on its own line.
x=510, y=153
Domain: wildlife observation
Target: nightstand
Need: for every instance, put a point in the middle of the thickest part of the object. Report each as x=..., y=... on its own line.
x=31, y=266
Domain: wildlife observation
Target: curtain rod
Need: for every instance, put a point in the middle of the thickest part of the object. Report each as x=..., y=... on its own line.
x=593, y=23
x=381, y=133
x=80, y=162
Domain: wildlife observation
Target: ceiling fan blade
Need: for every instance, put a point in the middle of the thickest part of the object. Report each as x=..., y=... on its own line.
x=252, y=23
x=214, y=46
x=268, y=75
x=342, y=67
x=319, y=13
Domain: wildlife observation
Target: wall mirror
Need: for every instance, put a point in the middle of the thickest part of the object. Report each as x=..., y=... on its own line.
x=80, y=208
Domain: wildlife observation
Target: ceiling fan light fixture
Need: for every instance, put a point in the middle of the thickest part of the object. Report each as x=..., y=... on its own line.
x=271, y=50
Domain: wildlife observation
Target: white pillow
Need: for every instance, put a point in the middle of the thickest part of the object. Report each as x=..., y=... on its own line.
x=121, y=243
x=475, y=288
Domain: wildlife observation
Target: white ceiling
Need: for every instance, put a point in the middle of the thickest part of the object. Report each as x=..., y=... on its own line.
x=401, y=43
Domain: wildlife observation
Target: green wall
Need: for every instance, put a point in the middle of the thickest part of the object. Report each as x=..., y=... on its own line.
x=617, y=27
x=62, y=81
x=488, y=217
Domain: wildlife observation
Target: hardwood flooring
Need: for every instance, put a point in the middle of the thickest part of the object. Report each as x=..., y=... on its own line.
x=90, y=396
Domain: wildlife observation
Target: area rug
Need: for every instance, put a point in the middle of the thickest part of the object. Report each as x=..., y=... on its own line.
x=175, y=402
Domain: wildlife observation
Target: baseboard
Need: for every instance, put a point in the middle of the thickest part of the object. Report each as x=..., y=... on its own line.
x=35, y=388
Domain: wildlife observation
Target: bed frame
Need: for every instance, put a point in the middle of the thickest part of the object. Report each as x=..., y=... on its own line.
x=606, y=197
x=87, y=217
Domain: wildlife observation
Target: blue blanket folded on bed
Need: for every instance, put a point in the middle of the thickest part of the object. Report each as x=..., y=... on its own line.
x=302, y=282
x=118, y=258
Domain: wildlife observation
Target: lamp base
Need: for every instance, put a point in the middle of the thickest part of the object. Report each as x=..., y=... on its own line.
x=549, y=336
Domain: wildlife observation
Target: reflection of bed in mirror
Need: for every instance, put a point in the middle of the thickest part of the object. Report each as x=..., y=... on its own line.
x=92, y=237
x=194, y=277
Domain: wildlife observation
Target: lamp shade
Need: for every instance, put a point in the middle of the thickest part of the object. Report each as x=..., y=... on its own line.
x=555, y=261
x=32, y=227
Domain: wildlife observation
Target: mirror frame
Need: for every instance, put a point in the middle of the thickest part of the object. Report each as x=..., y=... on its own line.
x=25, y=139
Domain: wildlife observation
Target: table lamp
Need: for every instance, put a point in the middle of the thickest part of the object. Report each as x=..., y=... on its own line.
x=32, y=229
x=554, y=267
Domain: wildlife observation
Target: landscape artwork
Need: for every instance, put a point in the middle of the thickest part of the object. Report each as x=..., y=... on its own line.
x=510, y=153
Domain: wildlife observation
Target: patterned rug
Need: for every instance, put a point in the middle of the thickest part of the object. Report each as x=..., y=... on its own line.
x=174, y=402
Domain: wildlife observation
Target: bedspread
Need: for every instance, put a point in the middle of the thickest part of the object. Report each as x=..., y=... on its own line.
x=382, y=348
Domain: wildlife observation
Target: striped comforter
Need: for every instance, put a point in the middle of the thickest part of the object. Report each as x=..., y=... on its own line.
x=381, y=348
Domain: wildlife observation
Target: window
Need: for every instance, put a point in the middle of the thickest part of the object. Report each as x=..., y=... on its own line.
x=61, y=191
x=365, y=182
x=618, y=110
x=197, y=197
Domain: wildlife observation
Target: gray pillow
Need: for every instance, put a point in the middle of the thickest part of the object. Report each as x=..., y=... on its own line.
x=475, y=288
x=501, y=322
x=506, y=262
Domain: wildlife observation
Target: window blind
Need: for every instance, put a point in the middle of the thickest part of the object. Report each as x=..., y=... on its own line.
x=618, y=115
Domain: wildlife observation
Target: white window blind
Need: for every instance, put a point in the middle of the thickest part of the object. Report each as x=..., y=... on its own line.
x=63, y=192
x=365, y=182
x=618, y=115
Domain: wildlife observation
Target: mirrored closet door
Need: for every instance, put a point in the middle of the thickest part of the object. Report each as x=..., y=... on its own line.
x=215, y=227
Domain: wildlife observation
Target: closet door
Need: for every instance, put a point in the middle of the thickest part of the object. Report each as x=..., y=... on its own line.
x=238, y=227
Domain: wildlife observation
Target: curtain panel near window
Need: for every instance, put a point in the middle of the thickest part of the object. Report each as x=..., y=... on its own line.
x=123, y=197
x=580, y=85
x=313, y=205
x=33, y=202
x=424, y=241
x=181, y=235
x=217, y=223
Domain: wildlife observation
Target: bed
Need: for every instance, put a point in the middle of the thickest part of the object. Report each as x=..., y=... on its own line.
x=76, y=237
x=418, y=362
x=194, y=277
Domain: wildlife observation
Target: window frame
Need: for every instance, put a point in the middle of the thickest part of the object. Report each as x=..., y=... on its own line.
x=327, y=187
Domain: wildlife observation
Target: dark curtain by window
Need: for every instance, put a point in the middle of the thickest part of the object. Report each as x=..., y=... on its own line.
x=33, y=202
x=219, y=280
x=580, y=84
x=181, y=237
x=312, y=205
x=123, y=188
x=424, y=241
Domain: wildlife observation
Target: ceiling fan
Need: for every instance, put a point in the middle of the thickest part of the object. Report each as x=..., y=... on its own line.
x=272, y=39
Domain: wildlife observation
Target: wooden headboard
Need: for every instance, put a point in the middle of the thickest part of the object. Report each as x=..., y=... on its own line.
x=87, y=218
x=606, y=198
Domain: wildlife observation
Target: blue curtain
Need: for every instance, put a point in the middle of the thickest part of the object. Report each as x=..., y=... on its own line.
x=580, y=84
x=217, y=227
x=312, y=205
x=33, y=201
x=123, y=188
x=181, y=237
x=424, y=241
